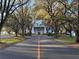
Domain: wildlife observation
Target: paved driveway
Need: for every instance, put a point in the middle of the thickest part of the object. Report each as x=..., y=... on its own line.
x=39, y=47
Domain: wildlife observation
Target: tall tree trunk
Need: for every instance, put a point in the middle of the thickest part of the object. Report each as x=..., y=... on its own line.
x=70, y=33
x=70, y=30
x=56, y=30
x=23, y=32
x=29, y=30
x=47, y=30
x=77, y=31
x=77, y=36
x=16, y=33
x=1, y=25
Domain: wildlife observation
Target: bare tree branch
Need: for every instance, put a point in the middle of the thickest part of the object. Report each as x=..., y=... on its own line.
x=7, y=8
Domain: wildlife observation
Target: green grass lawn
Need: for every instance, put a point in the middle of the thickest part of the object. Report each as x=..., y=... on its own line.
x=67, y=39
x=11, y=40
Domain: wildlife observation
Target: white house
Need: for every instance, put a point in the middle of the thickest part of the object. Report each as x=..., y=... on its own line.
x=38, y=27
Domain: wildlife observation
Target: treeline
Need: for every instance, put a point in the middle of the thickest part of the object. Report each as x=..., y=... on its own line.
x=61, y=15
x=15, y=16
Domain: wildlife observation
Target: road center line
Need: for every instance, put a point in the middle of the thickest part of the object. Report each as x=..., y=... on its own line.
x=38, y=50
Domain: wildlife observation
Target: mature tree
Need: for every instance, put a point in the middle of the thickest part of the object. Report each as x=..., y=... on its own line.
x=24, y=19
x=12, y=24
x=7, y=7
x=61, y=12
x=55, y=11
x=19, y=21
x=73, y=9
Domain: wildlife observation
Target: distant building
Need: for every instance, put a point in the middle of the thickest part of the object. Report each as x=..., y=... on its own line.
x=38, y=27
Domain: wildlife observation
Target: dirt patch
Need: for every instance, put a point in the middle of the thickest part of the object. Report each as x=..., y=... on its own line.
x=73, y=45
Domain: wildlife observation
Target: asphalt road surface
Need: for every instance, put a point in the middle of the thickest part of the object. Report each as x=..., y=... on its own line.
x=39, y=47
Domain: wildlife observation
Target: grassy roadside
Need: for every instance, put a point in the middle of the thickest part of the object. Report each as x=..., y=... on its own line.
x=7, y=42
x=66, y=39
x=70, y=41
x=11, y=40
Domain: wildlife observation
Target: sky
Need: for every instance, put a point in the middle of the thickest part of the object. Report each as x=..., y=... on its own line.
x=70, y=1
x=32, y=2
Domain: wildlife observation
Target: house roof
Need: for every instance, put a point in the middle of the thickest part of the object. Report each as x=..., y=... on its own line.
x=38, y=23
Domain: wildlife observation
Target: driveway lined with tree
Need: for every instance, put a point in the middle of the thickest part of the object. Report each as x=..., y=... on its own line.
x=47, y=48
